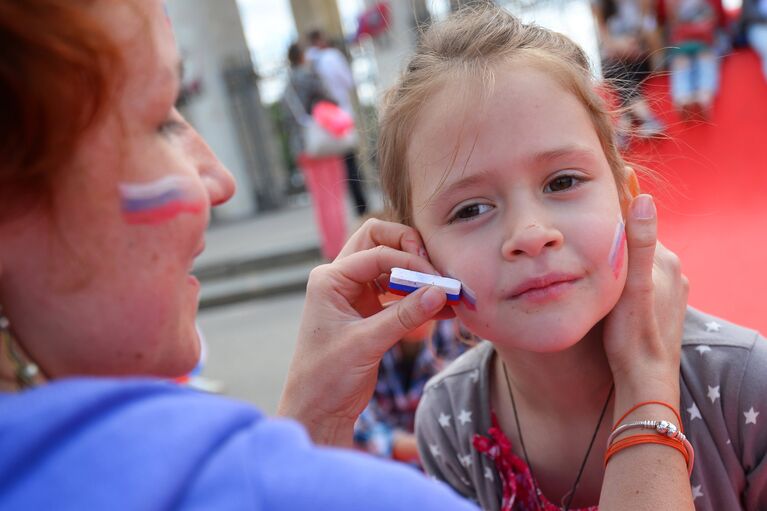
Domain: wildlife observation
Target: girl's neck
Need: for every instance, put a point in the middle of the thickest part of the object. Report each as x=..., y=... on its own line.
x=570, y=382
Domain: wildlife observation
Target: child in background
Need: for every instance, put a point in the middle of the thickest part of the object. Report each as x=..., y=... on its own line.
x=629, y=43
x=691, y=28
x=386, y=427
x=496, y=146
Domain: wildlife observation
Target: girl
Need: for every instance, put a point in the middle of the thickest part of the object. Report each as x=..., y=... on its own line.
x=497, y=148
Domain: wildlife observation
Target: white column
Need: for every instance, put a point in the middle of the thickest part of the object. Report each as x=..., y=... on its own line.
x=208, y=34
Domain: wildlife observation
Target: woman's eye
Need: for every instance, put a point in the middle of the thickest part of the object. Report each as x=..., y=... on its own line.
x=562, y=183
x=171, y=126
x=470, y=211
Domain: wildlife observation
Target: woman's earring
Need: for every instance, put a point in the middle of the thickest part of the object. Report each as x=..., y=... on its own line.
x=26, y=372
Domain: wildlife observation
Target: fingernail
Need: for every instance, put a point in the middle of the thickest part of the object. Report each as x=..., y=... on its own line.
x=643, y=208
x=432, y=298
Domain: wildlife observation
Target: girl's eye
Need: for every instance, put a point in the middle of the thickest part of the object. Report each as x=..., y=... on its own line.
x=469, y=212
x=562, y=183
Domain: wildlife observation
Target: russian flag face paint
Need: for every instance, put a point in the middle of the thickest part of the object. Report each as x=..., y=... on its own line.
x=160, y=200
x=617, y=251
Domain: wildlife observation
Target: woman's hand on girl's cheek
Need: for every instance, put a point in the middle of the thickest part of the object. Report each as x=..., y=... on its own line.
x=345, y=331
x=643, y=332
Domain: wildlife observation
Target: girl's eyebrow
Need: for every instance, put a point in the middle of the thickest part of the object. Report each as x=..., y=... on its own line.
x=570, y=151
x=573, y=152
x=464, y=182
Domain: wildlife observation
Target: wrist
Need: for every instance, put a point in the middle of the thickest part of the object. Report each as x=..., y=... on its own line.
x=322, y=428
x=630, y=393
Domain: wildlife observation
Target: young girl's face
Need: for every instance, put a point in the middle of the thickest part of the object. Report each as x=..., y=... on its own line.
x=513, y=196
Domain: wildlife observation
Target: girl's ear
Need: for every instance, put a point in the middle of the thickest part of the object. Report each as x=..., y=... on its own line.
x=630, y=189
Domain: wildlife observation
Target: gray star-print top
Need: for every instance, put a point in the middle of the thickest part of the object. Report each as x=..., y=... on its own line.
x=723, y=383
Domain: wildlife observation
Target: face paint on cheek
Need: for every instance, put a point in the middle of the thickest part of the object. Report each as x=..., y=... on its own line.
x=467, y=297
x=159, y=201
x=618, y=251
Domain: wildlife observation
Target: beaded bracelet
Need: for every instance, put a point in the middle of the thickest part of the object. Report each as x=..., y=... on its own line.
x=661, y=427
x=644, y=403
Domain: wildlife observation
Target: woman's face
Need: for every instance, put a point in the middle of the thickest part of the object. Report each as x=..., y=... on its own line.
x=526, y=213
x=100, y=283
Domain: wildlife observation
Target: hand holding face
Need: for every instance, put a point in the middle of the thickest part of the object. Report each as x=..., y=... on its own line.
x=345, y=331
x=643, y=333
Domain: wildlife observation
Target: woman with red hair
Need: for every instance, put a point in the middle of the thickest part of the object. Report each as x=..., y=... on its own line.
x=105, y=194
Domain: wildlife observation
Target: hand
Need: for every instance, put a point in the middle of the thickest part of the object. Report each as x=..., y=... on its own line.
x=643, y=333
x=405, y=446
x=345, y=331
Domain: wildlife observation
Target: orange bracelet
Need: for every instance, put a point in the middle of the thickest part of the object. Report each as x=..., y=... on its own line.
x=648, y=439
x=643, y=403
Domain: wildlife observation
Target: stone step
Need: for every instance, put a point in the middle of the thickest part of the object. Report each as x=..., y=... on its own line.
x=256, y=284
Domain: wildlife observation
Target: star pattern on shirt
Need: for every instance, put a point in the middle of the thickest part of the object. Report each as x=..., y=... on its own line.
x=489, y=474
x=465, y=460
x=464, y=417
x=713, y=326
x=474, y=375
x=697, y=491
x=713, y=393
x=702, y=349
x=694, y=412
x=434, y=448
x=751, y=416
x=444, y=420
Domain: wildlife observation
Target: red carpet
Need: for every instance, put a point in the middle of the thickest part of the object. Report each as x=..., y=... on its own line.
x=712, y=192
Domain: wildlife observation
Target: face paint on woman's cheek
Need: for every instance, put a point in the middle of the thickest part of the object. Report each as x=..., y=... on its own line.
x=618, y=250
x=159, y=201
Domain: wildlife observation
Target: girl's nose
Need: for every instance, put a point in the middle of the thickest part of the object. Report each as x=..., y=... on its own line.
x=530, y=238
x=217, y=179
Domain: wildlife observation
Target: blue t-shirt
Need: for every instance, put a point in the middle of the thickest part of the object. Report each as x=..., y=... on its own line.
x=143, y=445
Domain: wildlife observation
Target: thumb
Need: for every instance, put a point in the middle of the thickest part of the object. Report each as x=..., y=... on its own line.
x=641, y=236
x=407, y=314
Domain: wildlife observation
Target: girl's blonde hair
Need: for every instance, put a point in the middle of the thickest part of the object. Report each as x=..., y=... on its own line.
x=468, y=44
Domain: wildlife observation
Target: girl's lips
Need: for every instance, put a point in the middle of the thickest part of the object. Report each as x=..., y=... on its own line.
x=545, y=287
x=547, y=293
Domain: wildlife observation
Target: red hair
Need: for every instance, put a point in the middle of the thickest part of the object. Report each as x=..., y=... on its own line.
x=56, y=76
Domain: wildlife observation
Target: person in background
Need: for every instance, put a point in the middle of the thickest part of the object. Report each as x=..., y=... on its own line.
x=628, y=41
x=753, y=19
x=691, y=28
x=386, y=426
x=324, y=176
x=331, y=66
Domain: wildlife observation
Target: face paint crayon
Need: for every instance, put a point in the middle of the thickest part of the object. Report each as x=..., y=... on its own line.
x=617, y=251
x=403, y=282
x=160, y=200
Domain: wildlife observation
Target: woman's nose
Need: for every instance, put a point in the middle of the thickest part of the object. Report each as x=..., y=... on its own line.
x=217, y=179
x=530, y=237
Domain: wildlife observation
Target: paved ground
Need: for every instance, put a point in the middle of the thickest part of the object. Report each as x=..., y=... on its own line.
x=250, y=345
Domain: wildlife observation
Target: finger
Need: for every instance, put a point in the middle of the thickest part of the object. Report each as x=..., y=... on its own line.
x=404, y=316
x=641, y=237
x=376, y=232
x=367, y=265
